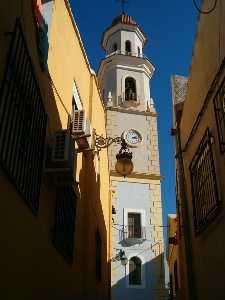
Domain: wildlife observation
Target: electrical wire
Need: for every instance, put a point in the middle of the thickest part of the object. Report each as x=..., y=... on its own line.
x=205, y=11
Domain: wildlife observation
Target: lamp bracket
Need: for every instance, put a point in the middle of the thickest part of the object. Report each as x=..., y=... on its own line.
x=104, y=142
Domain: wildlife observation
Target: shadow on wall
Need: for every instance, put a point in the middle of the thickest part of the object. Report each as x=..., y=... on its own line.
x=95, y=273
x=152, y=282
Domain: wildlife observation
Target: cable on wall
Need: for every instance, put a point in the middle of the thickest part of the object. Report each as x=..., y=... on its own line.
x=205, y=11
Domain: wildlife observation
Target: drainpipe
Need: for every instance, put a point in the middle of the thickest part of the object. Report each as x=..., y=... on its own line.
x=186, y=224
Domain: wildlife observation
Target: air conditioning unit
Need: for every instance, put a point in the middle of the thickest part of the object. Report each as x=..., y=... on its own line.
x=80, y=123
x=81, y=130
x=61, y=158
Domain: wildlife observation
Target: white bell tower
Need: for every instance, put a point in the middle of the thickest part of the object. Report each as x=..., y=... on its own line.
x=124, y=77
x=125, y=73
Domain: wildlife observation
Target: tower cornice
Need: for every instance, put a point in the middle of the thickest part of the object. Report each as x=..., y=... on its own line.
x=126, y=62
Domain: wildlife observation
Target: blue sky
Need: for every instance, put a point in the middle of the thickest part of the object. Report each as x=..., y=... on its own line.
x=170, y=27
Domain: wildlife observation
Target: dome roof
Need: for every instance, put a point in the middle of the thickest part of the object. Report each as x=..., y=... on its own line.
x=124, y=19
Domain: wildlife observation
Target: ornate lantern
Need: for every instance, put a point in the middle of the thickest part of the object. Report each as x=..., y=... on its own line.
x=124, y=165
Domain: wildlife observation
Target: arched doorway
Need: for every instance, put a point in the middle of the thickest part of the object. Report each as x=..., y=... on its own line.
x=135, y=277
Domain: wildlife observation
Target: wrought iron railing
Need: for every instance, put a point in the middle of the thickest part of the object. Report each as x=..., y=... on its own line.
x=219, y=107
x=134, y=232
x=22, y=122
x=134, y=54
x=204, y=186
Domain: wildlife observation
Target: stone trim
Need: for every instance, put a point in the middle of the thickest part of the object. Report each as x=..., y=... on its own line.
x=138, y=175
x=135, y=112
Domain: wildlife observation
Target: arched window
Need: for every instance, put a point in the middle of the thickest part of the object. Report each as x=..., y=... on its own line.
x=139, y=51
x=130, y=89
x=115, y=47
x=135, y=271
x=128, y=47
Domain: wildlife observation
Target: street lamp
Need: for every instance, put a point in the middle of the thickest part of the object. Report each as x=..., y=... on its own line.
x=124, y=165
x=123, y=258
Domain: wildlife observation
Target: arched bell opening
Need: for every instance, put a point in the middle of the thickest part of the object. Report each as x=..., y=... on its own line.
x=128, y=47
x=130, y=89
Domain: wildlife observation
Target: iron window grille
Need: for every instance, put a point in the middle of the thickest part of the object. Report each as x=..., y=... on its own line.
x=219, y=108
x=204, y=186
x=98, y=249
x=63, y=237
x=22, y=122
x=134, y=225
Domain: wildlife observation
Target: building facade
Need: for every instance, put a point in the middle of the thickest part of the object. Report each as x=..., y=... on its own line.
x=54, y=189
x=199, y=135
x=137, y=267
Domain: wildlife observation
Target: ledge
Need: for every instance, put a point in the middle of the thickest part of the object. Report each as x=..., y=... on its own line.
x=131, y=111
x=138, y=175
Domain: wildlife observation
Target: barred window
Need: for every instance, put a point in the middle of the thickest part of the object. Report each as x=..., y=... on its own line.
x=219, y=108
x=63, y=238
x=204, y=186
x=134, y=225
x=22, y=122
x=98, y=245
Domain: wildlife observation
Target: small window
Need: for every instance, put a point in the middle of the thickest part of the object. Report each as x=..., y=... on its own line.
x=63, y=238
x=98, y=255
x=128, y=47
x=74, y=105
x=135, y=277
x=130, y=89
x=115, y=47
x=139, y=51
x=76, y=99
x=134, y=225
x=204, y=186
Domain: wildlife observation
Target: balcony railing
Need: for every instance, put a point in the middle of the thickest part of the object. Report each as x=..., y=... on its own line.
x=134, y=232
x=120, y=52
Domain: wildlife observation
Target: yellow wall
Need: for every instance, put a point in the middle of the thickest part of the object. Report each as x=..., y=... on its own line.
x=31, y=268
x=208, y=247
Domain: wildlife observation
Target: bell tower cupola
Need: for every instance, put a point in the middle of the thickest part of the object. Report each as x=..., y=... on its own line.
x=125, y=70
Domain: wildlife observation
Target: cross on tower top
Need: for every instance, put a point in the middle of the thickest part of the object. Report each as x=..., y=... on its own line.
x=122, y=2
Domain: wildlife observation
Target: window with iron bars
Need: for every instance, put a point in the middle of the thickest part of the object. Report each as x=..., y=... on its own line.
x=219, y=108
x=63, y=237
x=22, y=122
x=134, y=225
x=204, y=186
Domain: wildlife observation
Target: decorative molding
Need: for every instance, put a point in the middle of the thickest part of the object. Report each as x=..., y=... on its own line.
x=138, y=175
x=179, y=88
x=134, y=112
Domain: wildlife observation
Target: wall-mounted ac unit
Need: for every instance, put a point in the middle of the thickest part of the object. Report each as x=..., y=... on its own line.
x=81, y=130
x=80, y=123
x=61, y=158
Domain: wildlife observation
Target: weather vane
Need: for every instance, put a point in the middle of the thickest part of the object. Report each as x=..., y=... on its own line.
x=123, y=2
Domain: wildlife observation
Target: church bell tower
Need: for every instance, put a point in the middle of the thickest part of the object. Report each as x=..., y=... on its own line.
x=137, y=239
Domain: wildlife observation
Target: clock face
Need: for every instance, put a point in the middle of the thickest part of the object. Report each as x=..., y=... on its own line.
x=132, y=137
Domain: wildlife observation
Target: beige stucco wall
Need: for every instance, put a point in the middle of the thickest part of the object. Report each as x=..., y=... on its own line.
x=208, y=53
